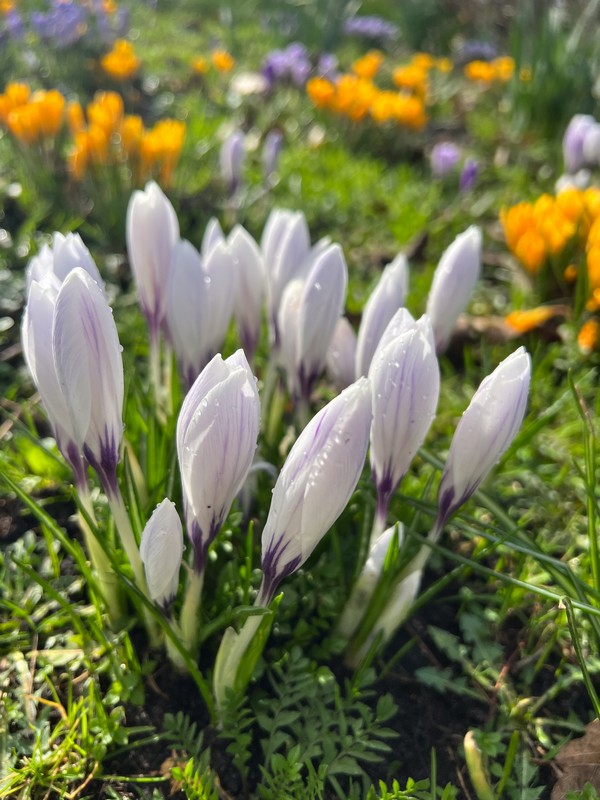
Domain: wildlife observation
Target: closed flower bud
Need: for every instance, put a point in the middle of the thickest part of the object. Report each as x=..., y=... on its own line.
x=308, y=315
x=315, y=484
x=444, y=158
x=249, y=285
x=66, y=253
x=89, y=367
x=341, y=354
x=36, y=331
x=199, y=305
x=152, y=232
x=213, y=234
x=387, y=297
x=485, y=431
x=231, y=159
x=405, y=384
x=161, y=549
x=217, y=431
x=573, y=142
x=453, y=283
x=285, y=245
x=270, y=154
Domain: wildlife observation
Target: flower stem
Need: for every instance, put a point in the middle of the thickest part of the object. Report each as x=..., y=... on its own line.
x=189, y=612
x=99, y=561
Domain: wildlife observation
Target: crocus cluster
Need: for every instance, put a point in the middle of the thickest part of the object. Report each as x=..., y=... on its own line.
x=499, y=70
x=290, y=64
x=392, y=386
x=560, y=231
x=32, y=117
x=68, y=23
x=104, y=136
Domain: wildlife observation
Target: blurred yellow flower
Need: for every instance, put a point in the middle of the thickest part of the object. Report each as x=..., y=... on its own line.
x=588, y=336
x=121, y=62
x=411, y=77
x=222, y=60
x=481, y=71
x=321, y=91
x=200, y=65
x=444, y=65
x=532, y=318
x=368, y=66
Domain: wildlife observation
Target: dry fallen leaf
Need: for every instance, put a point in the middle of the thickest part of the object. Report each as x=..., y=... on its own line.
x=579, y=762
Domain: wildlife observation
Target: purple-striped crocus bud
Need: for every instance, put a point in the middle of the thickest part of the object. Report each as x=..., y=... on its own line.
x=231, y=160
x=217, y=432
x=249, y=290
x=213, y=234
x=444, y=158
x=285, y=245
x=152, y=232
x=484, y=433
x=385, y=300
x=573, y=142
x=36, y=334
x=307, y=318
x=405, y=385
x=161, y=549
x=270, y=153
x=315, y=484
x=453, y=283
x=199, y=305
x=341, y=354
x=66, y=253
x=89, y=367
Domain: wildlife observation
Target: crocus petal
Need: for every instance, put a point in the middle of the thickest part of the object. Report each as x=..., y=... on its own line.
x=324, y=295
x=249, y=287
x=453, y=283
x=485, y=431
x=38, y=319
x=388, y=296
x=217, y=432
x=90, y=370
x=405, y=383
x=315, y=483
x=212, y=235
x=341, y=354
x=152, y=232
x=161, y=549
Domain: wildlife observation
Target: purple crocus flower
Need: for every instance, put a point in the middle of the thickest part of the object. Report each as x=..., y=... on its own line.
x=573, y=142
x=477, y=51
x=231, y=160
x=370, y=27
x=14, y=25
x=327, y=66
x=270, y=153
x=468, y=175
x=444, y=158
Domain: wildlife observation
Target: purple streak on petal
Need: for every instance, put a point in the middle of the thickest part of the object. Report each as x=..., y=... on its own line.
x=272, y=573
